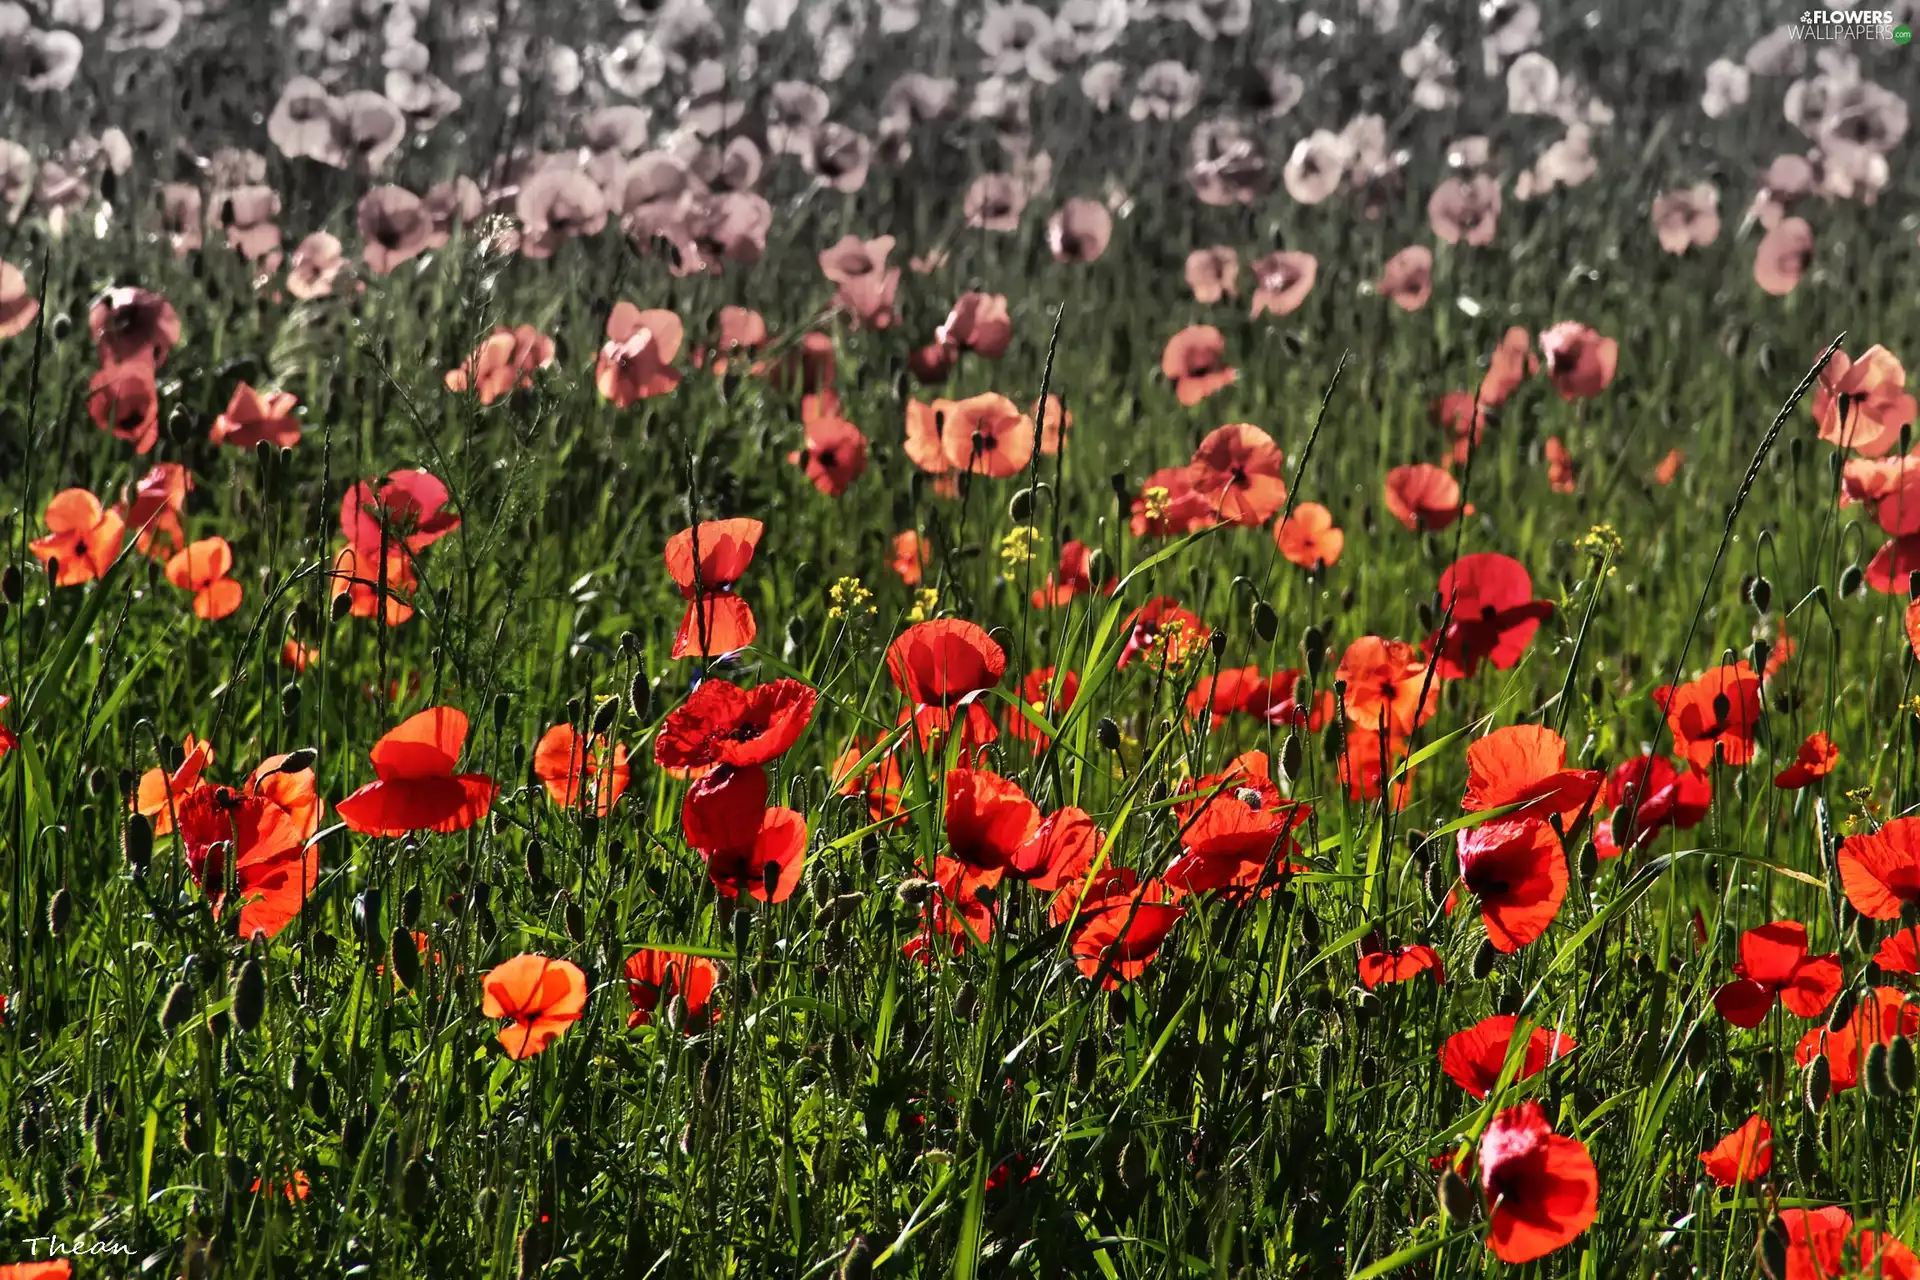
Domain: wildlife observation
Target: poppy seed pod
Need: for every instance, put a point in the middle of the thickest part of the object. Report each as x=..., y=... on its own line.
x=249, y=993
x=10, y=584
x=1901, y=1068
x=1121, y=489
x=1819, y=1085
x=1437, y=882
x=1107, y=733
x=410, y=906
x=501, y=705
x=1455, y=1197
x=342, y=605
x=1020, y=506
x=603, y=715
x=914, y=892
x=180, y=425
x=366, y=920
x=1292, y=755
x=742, y=932
x=1760, y=594
x=640, y=696
x=1807, y=1149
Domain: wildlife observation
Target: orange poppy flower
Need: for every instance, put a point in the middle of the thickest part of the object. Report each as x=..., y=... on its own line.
x=52, y=1269
x=1058, y=422
x=1384, y=680
x=654, y=975
x=1580, y=362
x=253, y=417
x=504, y=362
x=1719, y=712
x=1525, y=765
x=909, y=556
x=1226, y=692
x=1170, y=504
x=739, y=333
x=834, y=455
x=1862, y=404
x=1518, y=873
x=1888, y=1013
x=1464, y=418
x=881, y=784
x=1239, y=840
x=124, y=400
x=1195, y=362
x=407, y=513
x=18, y=307
x=1474, y=1058
x=540, y=996
x=202, y=568
x=716, y=621
x=1880, y=870
x=1381, y=964
x=1541, y=1187
x=809, y=366
x=1424, y=497
x=82, y=540
x=1814, y=760
x=152, y=509
x=1511, y=364
x=296, y=791
x=1668, y=797
x=1560, y=471
x=1668, y=467
x=1774, y=965
x=273, y=869
x=1367, y=759
x=297, y=657
x=416, y=788
x=924, y=447
x=356, y=576
x=636, y=361
x=1238, y=468
x=1490, y=614
x=1309, y=538
x=572, y=769
x=159, y=793
x=1745, y=1155
x=985, y=434
x=1900, y=953
x=1278, y=702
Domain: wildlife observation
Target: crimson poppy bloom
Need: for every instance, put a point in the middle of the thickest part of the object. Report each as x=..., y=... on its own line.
x=716, y=621
x=988, y=818
x=1309, y=538
x=1822, y=1243
x=541, y=997
x=1382, y=963
x=1195, y=362
x=636, y=361
x=7, y=739
x=654, y=975
x=834, y=455
x=765, y=867
x=1238, y=468
x=1492, y=614
x=880, y=784
x=1580, y=363
x=1049, y=697
x=53, y=1269
x=1517, y=871
x=1667, y=796
x=1744, y=1155
x=1074, y=578
x=125, y=402
x=1814, y=760
x=131, y=324
x=1473, y=1058
x=409, y=508
x=1118, y=936
x=82, y=540
x=1862, y=404
x=1719, y=712
x=1875, y=1021
x=984, y=434
x=255, y=416
x=941, y=666
x=724, y=807
x=1367, y=759
x=1165, y=632
x=416, y=788
x=1424, y=497
x=573, y=768
x=273, y=870
x=955, y=910
x=361, y=577
x=1541, y=1187
x=504, y=362
x=202, y=568
x=721, y=723
x=1774, y=964
x=1384, y=680
x=1880, y=870
x=1525, y=765
x=1058, y=852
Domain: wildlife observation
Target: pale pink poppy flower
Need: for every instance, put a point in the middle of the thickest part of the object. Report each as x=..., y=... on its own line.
x=248, y=214
x=1408, y=277
x=504, y=362
x=978, y=323
x=1282, y=281
x=795, y=111
x=18, y=307
x=731, y=226
x=1788, y=179
x=369, y=127
x=255, y=417
x=839, y=157
x=735, y=167
x=1580, y=362
x=556, y=205
x=1533, y=85
x=1019, y=39
x=181, y=216
x=1861, y=404
x=994, y=202
x=316, y=261
x=1465, y=209
x=133, y=324
x=394, y=227
x=1687, y=217
x=1195, y=361
x=1101, y=83
x=1212, y=273
x=636, y=361
x=1079, y=231
x=1317, y=166
x=740, y=332
x=152, y=508
x=1780, y=52
x=1165, y=91
x=458, y=202
x=1728, y=86
x=866, y=285
x=1784, y=255
x=1226, y=167
x=303, y=123
x=620, y=129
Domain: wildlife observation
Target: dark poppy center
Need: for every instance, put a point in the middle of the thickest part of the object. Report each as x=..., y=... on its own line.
x=827, y=459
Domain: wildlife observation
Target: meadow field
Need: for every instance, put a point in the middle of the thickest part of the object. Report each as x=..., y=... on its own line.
x=805, y=638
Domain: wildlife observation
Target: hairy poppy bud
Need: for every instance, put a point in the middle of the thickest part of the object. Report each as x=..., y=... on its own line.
x=1266, y=623
x=289, y=700
x=59, y=912
x=1455, y=1196
x=61, y=326
x=1484, y=960
x=1819, y=1083
x=1121, y=489
x=1807, y=1149
x=341, y=606
x=176, y=1008
x=1309, y=928
x=1760, y=594
x=858, y=1262
x=1878, y=1074
x=603, y=715
x=965, y=1001
x=249, y=993
x=501, y=705
x=1771, y=1249
x=1589, y=862
x=575, y=915
x=1020, y=506
x=1438, y=881
x=410, y=907
x=1842, y=1012
x=404, y=952
x=10, y=584
x=1108, y=733
x=1313, y=647
x=742, y=932
x=1853, y=579
x=1327, y=1069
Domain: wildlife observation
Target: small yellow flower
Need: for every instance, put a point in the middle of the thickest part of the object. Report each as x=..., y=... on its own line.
x=847, y=598
x=1157, y=500
x=925, y=601
x=1017, y=547
x=1603, y=543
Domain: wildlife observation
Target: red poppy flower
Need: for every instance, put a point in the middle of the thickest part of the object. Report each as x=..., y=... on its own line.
x=1822, y=1245
x=1463, y=417
x=1525, y=764
x=1516, y=868
x=1719, y=711
x=768, y=866
x=1195, y=362
x=955, y=910
x=153, y=507
x=1384, y=681
x=1668, y=467
x=1863, y=404
x=202, y=568
x=1897, y=558
x=1118, y=936
x=653, y=976
x=1900, y=953
x=834, y=456
x=636, y=361
x=1058, y=852
x=159, y=793
x=1309, y=538
x=572, y=768
x=1669, y=796
x=1424, y=497
x=1493, y=615
x=1240, y=839
x=941, y=665
x=923, y=446
x=721, y=723
x=984, y=434
x=124, y=401
x=1238, y=469
x=1774, y=964
x=83, y=539
x=133, y=324
x=1541, y=1187
x=273, y=870
x=1171, y=503
x=55, y=1269
x=1561, y=476
x=7, y=739
x=716, y=621
x=357, y=576
x=1392, y=963
x=880, y=783
x=988, y=818
x=255, y=417
x=1164, y=632
x=1227, y=692
x=417, y=788
x=1367, y=759
x=297, y=791
x=504, y=362
x=540, y=995
x=409, y=506
x=1279, y=702
x=1875, y=1021
x=1474, y=1058
x=1744, y=1155
x=1580, y=363
x=1038, y=691
x=1880, y=870
x=1814, y=760
x=724, y=807
x=740, y=332
x=1074, y=578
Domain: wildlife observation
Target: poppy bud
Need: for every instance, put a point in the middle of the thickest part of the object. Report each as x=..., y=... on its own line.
x=366, y=919
x=405, y=955
x=193, y=1129
x=1807, y=1148
x=1877, y=1073
x=1121, y=489
x=1901, y=1068
x=1424, y=611
x=1437, y=882
x=965, y=1001
x=1852, y=579
x=1313, y=646
x=1484, y=959
x=59, y=912
x=1108, y=733
x=603, y=715
x=742, y=932
x=1310, y=928
x=858, y=1264
x=1757, y=654
x=177, y=1007
x=1760, y=595
x=338, y=610
x=1020, y=506
x=1086, y=1063
x=410, y=907
x=10, y=584
x=1157, y=794
x=1771, y=1249
x=1455, y=1196
x=1266, y=623
x=1327, y=1069
x=29, y=1131
x=914, y=892
x=1842, y=1012
x=180, y=425
x=1819, y=1083
x=1291, y=753
x=1698, y=1049
x=62, y=326
x=1130, y=1166
x=249, y=996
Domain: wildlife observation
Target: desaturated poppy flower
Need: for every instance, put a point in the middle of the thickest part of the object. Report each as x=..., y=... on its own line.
x=1195, y=362
x=1822, y=1243
x=1487, y=601
x=1880, y=870
x=1464, y=418
x=985, y=434
x=394, y=228
x=539, y=995
x=1384, y=962
x=1687, y=217
x=705, y=562
x=739, y=333
x=17, y=307
x=1474, y=1058
x=834, y=454
x=580, y=771
x=1784, y=255
x=555, y=205
x=82, y=540
x=1876, y=1020
x=988, y=818
x=1424, y=497
x=941, y=666
x=1239, y=469
x=1525, y=765
x=1281, y=282
x=1170, y=503
x=158, y=793
x=1407, y=280
x=654, y=975
x=1510, y=365
x=636, y=361
x=1814, y=760
x=979, y=323
x=133, y=324
x=1074, y=578
x=766, y=867
x=1890, y=569
x=1888, y=487
x=416, y=788
x=504, y=362
x=1164, y=633
x=273, y=869
x=994, y=202
x=1212, y=273
x=316, y=262
x=1745, y=1155
x=1385, y=681
x=1774, y=965
x=53, y=1269
x=1580, y=362
x=866, y=284
x=1118, y=935
x=1716, y=714
x=254, y=417
x=1668, y=467
x=1516, y=870
x=1657, y=795
x=124, y=400
x=1049, y=698
x=1309, y=538
x=1316, y=166
x=1079, y=231
x=1862, y=404
x=375, y=588
x=1541, y=1187
x=1465, y=209
x=721, y=723
x=202, y=568
x=910, y=557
